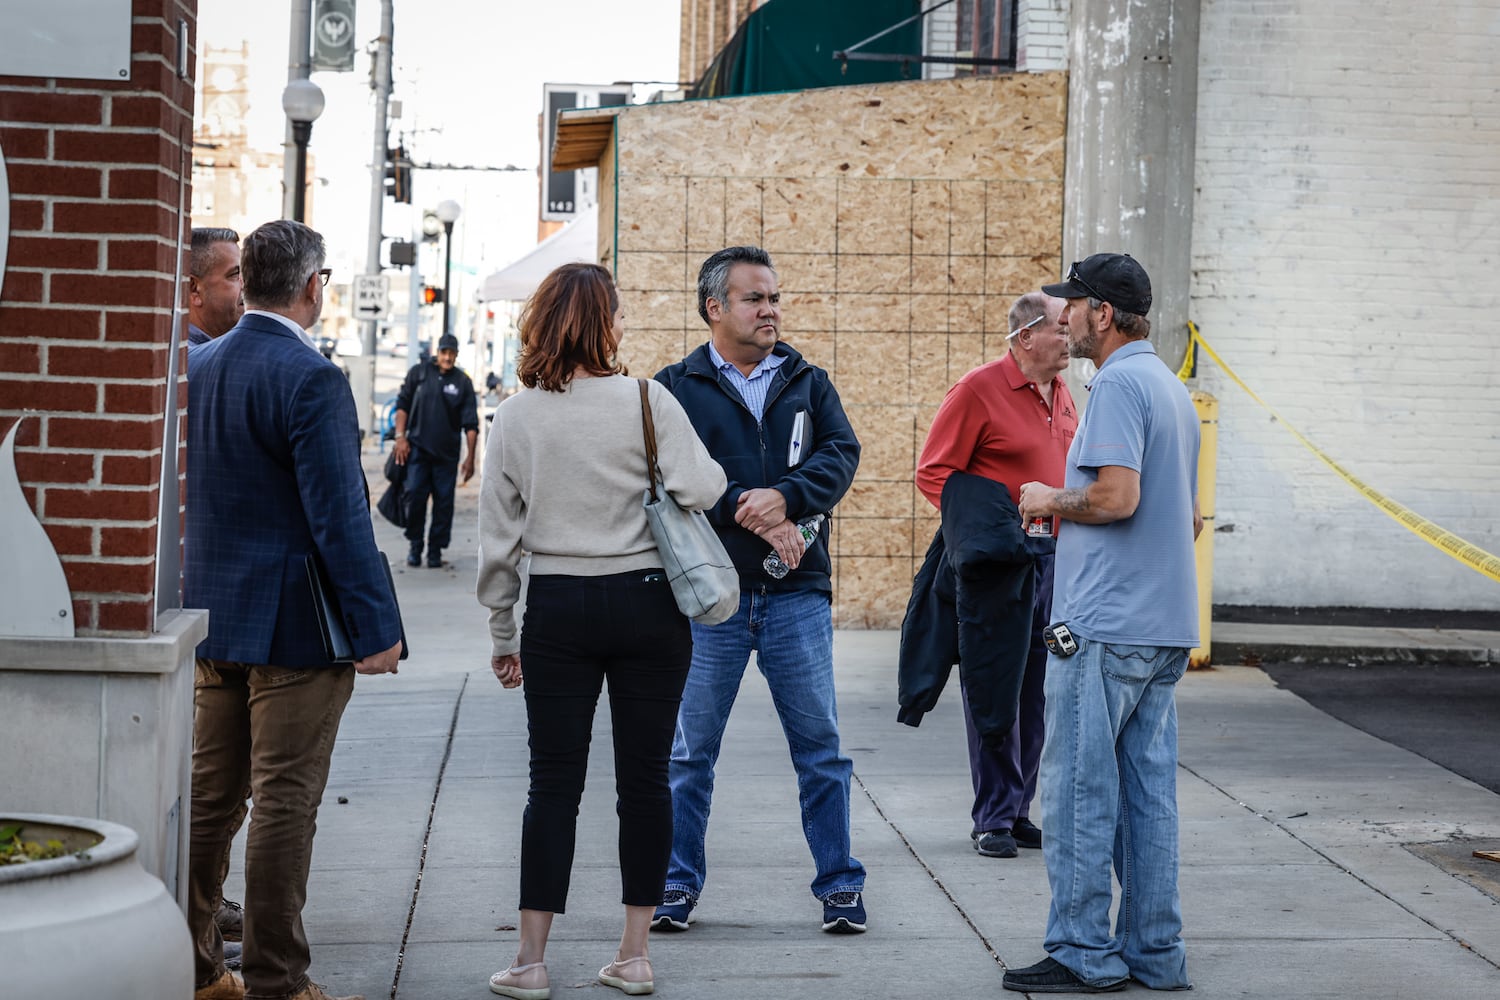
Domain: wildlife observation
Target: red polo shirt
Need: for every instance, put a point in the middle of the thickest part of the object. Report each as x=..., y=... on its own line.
x=994, y=423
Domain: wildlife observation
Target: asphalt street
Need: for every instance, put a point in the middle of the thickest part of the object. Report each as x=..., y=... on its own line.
x=1446, y=712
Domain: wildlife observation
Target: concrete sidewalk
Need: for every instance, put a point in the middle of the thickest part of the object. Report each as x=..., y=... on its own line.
x=1303, y=871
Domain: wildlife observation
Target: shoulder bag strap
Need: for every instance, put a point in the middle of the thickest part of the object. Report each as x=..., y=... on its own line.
x=648, y=426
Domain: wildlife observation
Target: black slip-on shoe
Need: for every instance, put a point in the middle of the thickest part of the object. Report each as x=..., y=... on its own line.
x=1051, y=976
x=1027, y=834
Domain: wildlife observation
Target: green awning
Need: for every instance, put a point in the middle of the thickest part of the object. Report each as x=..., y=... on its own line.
x=789, y=45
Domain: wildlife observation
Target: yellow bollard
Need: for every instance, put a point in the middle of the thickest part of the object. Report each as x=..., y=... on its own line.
x=1208, y=460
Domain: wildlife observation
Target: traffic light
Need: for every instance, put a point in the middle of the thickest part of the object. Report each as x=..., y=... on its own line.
x=432, y=295
x=398, y=175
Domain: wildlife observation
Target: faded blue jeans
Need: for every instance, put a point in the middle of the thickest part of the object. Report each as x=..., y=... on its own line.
x=792, y=633
x=1109, y=790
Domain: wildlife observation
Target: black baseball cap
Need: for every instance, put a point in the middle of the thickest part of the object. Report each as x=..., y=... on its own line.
x=1116, y=278
x=447, y=342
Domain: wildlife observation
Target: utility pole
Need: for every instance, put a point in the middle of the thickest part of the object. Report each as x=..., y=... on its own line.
x=299, y=67
x=362, y=375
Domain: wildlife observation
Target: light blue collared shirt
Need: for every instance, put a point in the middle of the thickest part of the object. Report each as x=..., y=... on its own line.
x=292, y=325
x=753, y=387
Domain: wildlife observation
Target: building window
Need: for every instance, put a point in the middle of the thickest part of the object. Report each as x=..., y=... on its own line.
x=986, y=30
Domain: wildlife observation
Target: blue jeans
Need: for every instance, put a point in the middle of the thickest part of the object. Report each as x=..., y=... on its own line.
x=1109, y=790
x=792, y=631
x=426, y=476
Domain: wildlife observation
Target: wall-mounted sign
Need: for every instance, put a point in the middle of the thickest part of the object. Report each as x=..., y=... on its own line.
x=566, y=193
x=66, y=39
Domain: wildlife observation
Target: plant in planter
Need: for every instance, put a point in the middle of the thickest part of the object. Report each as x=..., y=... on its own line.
x=14, y=850
x=85, y=906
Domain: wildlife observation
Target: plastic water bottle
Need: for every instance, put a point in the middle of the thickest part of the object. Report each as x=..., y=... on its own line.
x=773, y=564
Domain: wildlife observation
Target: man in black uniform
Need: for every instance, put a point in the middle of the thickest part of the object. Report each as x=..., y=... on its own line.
x=435, y=404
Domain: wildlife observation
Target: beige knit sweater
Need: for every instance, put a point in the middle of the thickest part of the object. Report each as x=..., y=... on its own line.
x=565, y=478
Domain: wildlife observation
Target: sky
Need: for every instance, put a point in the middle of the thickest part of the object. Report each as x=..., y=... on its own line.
x=469, y=76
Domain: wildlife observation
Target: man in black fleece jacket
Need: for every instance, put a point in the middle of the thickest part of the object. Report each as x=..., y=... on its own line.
x=775, y=423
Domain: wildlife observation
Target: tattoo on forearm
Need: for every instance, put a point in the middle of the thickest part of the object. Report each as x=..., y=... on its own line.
x=1074, y=501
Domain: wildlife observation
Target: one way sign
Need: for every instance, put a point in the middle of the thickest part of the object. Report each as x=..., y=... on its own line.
x=372, y=296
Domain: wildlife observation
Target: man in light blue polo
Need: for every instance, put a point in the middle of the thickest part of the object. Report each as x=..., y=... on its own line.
x=1126, y=589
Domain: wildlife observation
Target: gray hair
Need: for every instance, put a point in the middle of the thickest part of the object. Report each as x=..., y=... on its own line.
x=205, y=248
x=277, y=260
x=1132, y=325
x=713, y=276
x=1026, y=309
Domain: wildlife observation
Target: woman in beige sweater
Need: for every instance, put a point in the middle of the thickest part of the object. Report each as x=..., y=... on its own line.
x=564, y=479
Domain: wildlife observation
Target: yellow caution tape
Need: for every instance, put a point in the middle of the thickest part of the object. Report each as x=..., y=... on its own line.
x=1190, y=359
x=1467, y=553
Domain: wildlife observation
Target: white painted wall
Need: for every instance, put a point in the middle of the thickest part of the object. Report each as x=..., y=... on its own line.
x=940, y=38
x=1041, y=35
x=1346, y=255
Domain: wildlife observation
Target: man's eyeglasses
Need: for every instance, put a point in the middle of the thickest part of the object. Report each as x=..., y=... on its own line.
x=1073, y=275
x=1018, y=330
x=325, y=274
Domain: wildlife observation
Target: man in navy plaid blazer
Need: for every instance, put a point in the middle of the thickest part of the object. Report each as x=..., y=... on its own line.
x=274, y=476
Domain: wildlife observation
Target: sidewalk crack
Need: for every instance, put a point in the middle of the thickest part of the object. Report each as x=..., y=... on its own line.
x=416, y=889
x=936, y=880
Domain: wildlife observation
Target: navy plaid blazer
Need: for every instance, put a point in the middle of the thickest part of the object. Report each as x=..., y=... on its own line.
x=274, y=474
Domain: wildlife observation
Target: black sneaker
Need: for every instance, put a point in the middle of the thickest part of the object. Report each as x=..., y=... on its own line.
x=1027, y=834
x=414, y=557
x=844, y=913
x=1051, y=976
x=996, y=844
x=675, y=912
x=434, y=559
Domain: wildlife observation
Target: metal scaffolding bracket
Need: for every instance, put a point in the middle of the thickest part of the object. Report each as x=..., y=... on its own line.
x=852, y=52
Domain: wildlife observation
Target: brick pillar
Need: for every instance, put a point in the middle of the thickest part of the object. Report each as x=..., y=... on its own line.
x=99, y=177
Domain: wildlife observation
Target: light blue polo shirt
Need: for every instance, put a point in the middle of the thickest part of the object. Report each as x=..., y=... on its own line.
x=1134, y=581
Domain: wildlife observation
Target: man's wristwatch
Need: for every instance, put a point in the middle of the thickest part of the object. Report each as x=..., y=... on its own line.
x=400, y=435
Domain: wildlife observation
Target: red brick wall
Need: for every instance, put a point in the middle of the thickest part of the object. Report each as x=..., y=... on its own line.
x=98, y=170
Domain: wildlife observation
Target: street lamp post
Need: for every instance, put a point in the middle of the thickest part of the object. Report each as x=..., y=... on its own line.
x=302, y=100
x=448, y=212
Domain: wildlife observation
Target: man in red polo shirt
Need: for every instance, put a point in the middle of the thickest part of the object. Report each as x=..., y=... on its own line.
x=1010, y=421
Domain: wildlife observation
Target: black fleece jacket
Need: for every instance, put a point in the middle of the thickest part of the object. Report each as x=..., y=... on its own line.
x=755, y=454
x=970, y=604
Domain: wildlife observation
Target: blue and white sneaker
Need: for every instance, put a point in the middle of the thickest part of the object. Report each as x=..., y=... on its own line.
x=843, y=913
x=675, y=912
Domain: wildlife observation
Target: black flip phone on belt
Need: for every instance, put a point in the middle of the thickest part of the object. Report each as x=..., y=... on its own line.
x=1059, y=640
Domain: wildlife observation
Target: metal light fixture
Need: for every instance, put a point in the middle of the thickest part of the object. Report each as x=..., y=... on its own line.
x=448, y=212
x=302, y=100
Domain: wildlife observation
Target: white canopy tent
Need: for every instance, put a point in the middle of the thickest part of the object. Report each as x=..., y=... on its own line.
x=576, y=241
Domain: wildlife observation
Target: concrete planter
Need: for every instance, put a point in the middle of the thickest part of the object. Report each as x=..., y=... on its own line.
x=107, y=725
x=91, y=924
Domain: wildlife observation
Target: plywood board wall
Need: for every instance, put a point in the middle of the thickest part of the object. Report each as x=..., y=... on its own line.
x=903, y=220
